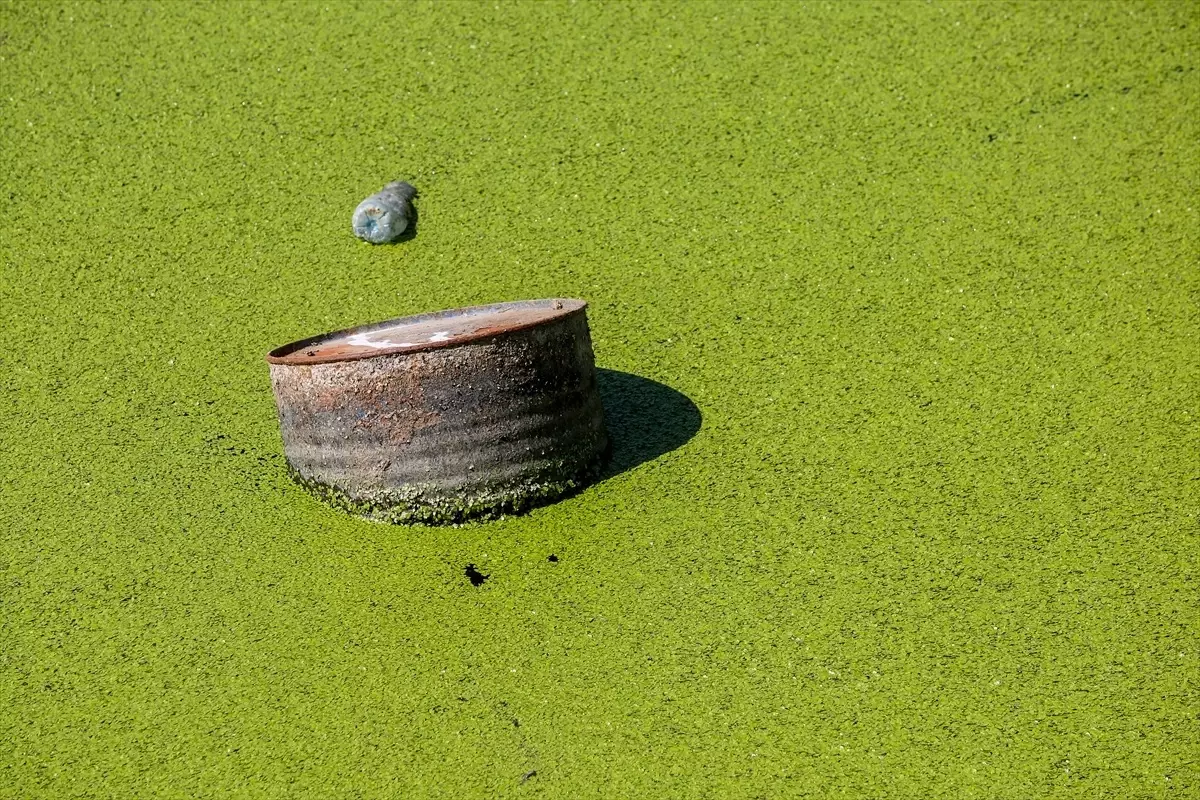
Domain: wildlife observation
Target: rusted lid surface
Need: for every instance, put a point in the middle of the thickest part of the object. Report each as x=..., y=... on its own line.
x=424, y=331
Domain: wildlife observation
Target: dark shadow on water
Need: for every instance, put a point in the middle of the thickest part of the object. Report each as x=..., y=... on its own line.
x=645, y=418
x=410, y=232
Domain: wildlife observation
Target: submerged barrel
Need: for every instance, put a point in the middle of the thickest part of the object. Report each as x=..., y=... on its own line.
x=443, y=417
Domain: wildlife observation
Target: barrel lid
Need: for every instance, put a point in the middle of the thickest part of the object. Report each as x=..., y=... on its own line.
x=424, y=331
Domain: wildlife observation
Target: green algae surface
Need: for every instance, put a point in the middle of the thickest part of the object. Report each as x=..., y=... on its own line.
x=927, y=271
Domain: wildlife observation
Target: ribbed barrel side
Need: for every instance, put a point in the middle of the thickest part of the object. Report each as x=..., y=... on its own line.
x=443, y=435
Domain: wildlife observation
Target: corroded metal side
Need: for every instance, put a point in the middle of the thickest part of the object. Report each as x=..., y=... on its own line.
x=486, y=427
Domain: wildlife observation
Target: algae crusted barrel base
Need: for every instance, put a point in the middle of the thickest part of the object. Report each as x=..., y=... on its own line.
x=444, y=417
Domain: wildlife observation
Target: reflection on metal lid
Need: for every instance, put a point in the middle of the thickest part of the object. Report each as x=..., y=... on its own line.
x=424, y=331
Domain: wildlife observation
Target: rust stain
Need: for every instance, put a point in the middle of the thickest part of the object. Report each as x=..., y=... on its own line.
x=499, y=418
x=425, y=332
x=392, y=407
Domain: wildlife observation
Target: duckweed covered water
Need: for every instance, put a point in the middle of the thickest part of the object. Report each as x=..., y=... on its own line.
x=926, y=272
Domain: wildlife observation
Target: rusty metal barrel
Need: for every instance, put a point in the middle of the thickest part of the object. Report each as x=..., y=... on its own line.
x=443, y=417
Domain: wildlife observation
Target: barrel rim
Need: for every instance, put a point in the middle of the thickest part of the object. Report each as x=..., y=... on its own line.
x=562, y=307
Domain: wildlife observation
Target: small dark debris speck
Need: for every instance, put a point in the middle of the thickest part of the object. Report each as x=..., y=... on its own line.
x=477, y=578
x=553, y=559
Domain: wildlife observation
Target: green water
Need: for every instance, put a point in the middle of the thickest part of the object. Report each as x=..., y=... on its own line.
x=929, y=273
